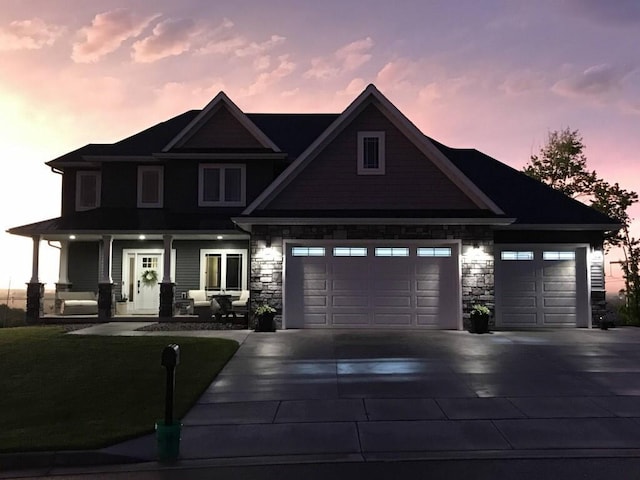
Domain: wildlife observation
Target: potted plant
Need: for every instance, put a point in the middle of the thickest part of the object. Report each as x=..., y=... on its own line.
x=264, y=316
x=480, y=318
x=122, y=305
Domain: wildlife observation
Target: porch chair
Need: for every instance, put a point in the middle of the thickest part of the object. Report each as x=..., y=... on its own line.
x=203, y=306
x=241, y=305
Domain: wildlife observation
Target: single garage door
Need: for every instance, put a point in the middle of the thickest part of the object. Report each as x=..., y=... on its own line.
x=540, y=287
x=371, y=285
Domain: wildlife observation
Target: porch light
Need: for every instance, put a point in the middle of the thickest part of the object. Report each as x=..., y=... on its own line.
x=72, y=237
x=141, y=237
x=219, y=237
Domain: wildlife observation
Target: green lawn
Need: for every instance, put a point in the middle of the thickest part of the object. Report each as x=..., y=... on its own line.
x=62, y=391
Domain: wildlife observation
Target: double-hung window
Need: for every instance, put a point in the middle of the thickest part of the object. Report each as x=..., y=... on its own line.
x=87, y=190
x=221, y=185
x=150, y=186
x=371, y=153
x=223, y=270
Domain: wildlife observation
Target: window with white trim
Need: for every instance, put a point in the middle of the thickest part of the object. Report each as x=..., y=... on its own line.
x=392, y=252
x=223, y=270
x=150, y=186
x=558, y=255
x=221, y=185
x=349, y=252
x=371, y=153
x=434, y=252
x=307, y=251
x=87, y=190
x=516, y=255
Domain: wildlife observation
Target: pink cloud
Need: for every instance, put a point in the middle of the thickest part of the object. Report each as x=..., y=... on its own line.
x=264, y=80
x=169, y=38
x=346, y=59
x=595, y=81
x=28, y=35
x=107, y=32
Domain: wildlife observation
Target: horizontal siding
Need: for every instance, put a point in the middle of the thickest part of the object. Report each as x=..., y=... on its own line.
x=222, y=130
x=83, y=266
x=411, y=181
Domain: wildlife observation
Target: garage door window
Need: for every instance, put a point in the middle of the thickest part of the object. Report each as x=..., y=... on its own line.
x=516, y=255
x=392, y=252
x=349, y=252
x=559, y=255
x=434, y=252
x=307, y=251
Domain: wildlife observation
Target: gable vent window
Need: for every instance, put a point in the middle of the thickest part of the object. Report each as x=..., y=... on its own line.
x=221, y=185
x=87, y=190
x=516, y=255
x=150, y=186
x=371, y=153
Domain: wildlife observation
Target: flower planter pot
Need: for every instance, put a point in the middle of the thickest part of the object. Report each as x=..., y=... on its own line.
x=479, y=323
x=122, y=308
x=265, y=323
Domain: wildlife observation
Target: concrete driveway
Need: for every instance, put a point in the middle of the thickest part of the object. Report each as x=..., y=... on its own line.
x=352, y=395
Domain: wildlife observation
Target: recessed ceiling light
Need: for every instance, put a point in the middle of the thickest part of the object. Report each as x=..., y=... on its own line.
x=141, y=237
x=219, y=237
x=72, y=237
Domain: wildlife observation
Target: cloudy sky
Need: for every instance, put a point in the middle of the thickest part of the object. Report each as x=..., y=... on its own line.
x=495, y=75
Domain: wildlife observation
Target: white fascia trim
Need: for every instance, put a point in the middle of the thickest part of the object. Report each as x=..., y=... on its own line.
x=563, y=226
x=206, y=113
x=248, y=222
x=221, y=156
x=405, y=125
x=118, y=158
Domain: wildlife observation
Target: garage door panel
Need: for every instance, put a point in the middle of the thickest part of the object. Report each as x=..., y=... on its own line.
x=392, y=319
x=350, y=301
x=371, y=291
x=536, y=292
x=395, y=301
x=350, y=319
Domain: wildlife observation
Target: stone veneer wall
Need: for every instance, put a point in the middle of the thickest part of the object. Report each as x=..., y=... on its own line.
x=266, y=271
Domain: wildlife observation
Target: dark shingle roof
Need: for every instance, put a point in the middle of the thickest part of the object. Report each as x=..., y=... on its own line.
x=518, y=195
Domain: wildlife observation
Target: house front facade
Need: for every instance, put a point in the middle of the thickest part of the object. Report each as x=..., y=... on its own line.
x=351, y=220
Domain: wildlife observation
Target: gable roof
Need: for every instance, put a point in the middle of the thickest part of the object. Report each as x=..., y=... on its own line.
x=208, y=111
x=372, y=95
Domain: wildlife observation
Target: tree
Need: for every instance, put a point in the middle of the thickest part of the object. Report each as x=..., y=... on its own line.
x=562, y=165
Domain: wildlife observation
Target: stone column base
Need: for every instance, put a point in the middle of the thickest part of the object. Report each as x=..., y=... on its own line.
x=105, y=301
x=35, y=295
x=167, y=292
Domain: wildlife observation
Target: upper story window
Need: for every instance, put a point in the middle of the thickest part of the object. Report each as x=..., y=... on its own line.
x=371, y=153
x=87, y=190
x=221, y=185
x=150, y=186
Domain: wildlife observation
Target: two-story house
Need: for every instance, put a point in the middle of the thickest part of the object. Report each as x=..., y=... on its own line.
x=338, y=220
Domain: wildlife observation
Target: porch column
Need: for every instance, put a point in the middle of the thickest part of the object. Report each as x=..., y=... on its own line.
x=105, y=285
x=167, y=287
x=63, y=284
x=35, y=289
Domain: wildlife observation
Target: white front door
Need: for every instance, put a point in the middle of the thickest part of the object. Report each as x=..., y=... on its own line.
x=146, y=294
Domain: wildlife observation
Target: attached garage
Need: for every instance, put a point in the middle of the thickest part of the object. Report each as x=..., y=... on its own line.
x=369, y=284
x=541, y=286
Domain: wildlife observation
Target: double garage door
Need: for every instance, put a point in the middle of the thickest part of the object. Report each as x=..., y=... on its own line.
x=541, y=287
x=372, y=284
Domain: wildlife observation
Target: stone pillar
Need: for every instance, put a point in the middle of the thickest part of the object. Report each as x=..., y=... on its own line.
x=167, y=287
x=35, y=289
x=166, y=300
x=105, y=301
x=105, y=285
x=35, y=294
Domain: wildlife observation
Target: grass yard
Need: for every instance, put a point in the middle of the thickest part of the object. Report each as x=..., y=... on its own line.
x=62, y=391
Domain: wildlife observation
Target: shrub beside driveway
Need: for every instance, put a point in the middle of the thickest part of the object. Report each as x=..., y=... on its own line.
x=62, y=391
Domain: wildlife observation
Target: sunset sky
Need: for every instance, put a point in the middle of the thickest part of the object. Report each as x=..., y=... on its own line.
x=489, y=74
